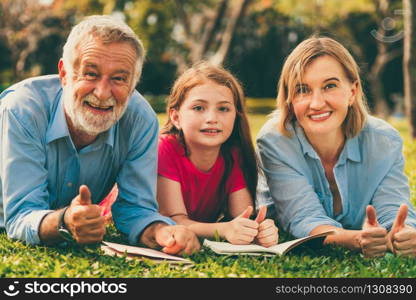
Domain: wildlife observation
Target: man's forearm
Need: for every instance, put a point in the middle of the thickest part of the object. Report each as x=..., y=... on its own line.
x=148, y=236
x=48, y=232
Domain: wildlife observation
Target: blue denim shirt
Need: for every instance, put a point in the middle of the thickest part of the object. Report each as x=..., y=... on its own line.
x=41, y=170
x=369, y=171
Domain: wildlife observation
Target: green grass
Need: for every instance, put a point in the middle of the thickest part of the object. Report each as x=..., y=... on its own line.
x=20, y=260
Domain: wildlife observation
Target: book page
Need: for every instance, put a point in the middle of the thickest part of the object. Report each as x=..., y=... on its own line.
x=253, y=249
x=283, y=248
x=227, y=248
x=144, y=252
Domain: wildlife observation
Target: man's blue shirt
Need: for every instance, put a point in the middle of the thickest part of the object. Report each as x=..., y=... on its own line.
x=41, y=170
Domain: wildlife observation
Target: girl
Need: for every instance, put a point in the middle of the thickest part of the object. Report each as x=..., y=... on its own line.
x=330, y=166
x=207, y=163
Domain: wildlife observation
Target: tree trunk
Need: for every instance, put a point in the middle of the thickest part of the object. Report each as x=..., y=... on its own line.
x=409, y=63
x=385, y=53
x=235, y=16
x=208, y=34
x=376, y=86
x=384, y=56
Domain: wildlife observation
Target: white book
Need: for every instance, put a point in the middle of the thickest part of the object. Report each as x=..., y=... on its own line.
x=253, y=249
x=132, y=252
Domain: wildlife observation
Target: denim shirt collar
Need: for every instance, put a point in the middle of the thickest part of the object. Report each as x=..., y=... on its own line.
x=351, y=149
x=58, y=128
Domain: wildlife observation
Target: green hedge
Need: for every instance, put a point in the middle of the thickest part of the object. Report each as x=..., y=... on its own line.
x=158, y=102
x=2, y=87
x=254, y=105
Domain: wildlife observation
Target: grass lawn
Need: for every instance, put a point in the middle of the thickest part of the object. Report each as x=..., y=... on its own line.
x=20, y=260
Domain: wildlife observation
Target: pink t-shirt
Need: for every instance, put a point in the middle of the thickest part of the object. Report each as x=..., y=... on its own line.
x=200, y=190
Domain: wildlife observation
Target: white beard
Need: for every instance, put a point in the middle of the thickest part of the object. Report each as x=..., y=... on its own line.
x=85, y=120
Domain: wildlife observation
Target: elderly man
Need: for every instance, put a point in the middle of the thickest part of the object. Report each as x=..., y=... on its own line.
x=66, y=140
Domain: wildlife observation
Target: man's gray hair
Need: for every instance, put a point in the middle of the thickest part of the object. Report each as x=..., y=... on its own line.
x=106, y=29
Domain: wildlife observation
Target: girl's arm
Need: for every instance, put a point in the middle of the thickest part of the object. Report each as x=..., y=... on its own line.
x=240, y=230
x=238, y=202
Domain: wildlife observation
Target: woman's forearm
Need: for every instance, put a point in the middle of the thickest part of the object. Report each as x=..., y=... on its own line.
x=343, y=237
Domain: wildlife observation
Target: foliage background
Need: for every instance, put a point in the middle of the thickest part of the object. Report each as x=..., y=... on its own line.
x=32, y=34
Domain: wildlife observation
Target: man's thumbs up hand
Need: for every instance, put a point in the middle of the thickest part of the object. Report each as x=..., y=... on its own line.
x=84, y=195
x=84, y=219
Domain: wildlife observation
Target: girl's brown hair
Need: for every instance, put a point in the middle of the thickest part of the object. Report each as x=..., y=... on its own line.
x=240, y=137
x=294, y=68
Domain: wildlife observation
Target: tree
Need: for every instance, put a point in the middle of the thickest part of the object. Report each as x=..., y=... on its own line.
x=91, y=7
x=376, y=46
x=259, y=48
x=24, y=26
x=154, y=22
x=387, y=50
x=409, y=63
x=207, y=29
x=178, y=33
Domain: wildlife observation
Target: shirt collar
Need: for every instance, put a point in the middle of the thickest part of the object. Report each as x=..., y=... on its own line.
x=351, y=150
x=106, y=137
x=306, y=147
x=58, y=128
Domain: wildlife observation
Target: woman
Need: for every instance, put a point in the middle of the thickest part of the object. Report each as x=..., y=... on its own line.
x=327, y=164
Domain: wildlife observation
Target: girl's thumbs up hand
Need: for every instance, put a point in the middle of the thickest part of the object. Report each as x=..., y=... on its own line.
x=241, y=230
x=268, y=233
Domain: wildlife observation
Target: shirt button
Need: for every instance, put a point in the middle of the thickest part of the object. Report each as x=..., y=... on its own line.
x=69, y=184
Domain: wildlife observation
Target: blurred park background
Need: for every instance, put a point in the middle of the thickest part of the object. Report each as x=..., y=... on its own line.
x=249, y=37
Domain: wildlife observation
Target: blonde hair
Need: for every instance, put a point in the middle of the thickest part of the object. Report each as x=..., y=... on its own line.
x=294, y=68
x=106, y=29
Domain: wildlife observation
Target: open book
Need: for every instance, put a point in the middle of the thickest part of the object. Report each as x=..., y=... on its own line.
x=252, y=249
x=132, y=252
